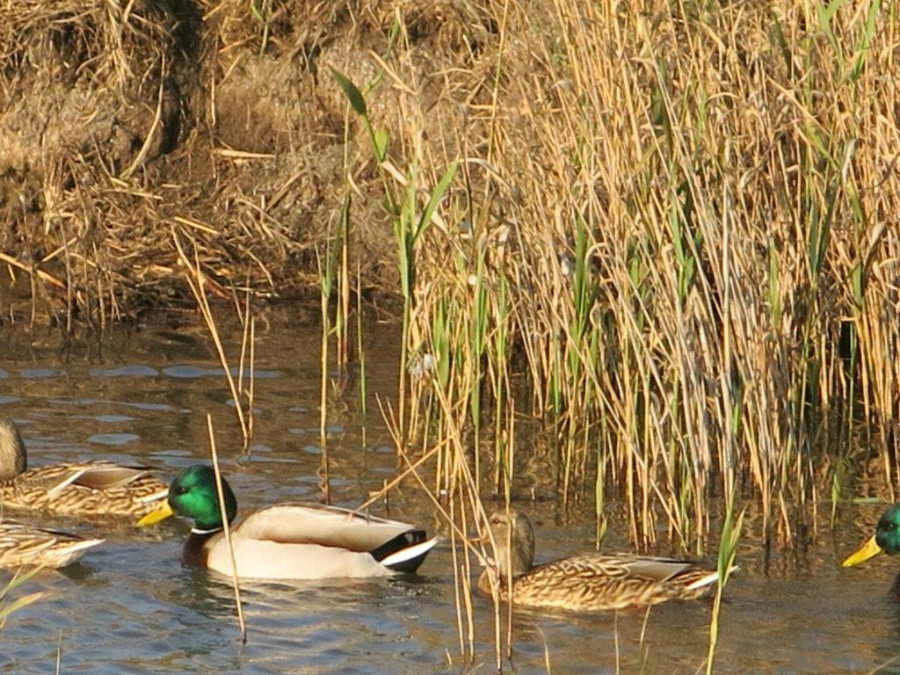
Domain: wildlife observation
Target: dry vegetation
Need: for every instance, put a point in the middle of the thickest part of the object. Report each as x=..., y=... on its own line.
x=674, y=222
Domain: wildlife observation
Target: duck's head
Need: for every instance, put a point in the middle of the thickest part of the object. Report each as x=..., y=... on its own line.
x=886, y=539
x=193, y=495
x=513, y=542
x=12, y=451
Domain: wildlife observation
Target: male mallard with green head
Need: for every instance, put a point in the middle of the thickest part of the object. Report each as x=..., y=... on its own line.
x=586, y=582
x=885, y=540
x=97, y=488
x=288, y=541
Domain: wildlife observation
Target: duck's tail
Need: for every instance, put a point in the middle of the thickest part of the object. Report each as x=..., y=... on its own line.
x=408, y=559
x=708, y=579
x=65, y=553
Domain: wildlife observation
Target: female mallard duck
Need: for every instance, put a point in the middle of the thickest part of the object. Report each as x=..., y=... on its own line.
x=885, y=540
x=288, y=541
x=24, y=545
x=590, y=581
x=76, y=489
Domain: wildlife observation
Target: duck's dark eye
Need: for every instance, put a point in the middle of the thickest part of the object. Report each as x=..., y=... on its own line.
x=889, y=526
x=180, y=489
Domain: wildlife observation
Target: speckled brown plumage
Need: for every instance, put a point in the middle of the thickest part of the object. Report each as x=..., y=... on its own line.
x=80, y=489
x=25, y=545
x=586, y=582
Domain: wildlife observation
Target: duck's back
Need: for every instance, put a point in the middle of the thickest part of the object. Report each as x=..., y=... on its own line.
x=26, y=545
x=325, y=525
x=305, y=541
x=595, y=581
x=86, y=488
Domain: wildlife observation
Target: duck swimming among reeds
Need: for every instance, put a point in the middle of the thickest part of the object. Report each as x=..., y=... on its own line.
x=23, y=545
x=586, y=582
x=288, y=541
x=96, y=488
x=885, y=540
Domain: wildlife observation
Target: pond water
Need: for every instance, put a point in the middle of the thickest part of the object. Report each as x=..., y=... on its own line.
x=142, y=396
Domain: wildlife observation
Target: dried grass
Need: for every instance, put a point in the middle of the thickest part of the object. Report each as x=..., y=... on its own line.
x=672, y=236
x=675, y=223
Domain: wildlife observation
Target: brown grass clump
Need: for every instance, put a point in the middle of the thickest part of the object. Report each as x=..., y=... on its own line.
x=216, y=119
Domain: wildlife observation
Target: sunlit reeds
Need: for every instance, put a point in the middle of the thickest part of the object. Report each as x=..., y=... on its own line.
x=241, y=396
x=667, y=232
x=668, y=228
x=685, y=270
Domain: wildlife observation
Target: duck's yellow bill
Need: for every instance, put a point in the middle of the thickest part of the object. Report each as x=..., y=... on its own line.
x=163, y=512
x=869, y=550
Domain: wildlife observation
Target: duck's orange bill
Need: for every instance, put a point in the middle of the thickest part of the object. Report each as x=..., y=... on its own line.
x=163, y=512
x=869, y=550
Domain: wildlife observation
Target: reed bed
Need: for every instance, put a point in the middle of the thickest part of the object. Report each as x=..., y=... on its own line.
x=666, y=233
x=672, y=228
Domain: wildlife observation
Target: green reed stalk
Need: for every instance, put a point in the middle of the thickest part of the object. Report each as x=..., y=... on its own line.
x=581, y=358
x=686, y=237
x=262, y=12
x=409, y=223
x=361, y=355
x=478, y=325
x=441, y=341
x=327, y=267
x=731, y=533
x=342, y=274
x=9, y=607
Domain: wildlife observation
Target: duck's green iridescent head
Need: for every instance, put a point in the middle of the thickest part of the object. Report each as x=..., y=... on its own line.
x=886, y=539
x=193, y=495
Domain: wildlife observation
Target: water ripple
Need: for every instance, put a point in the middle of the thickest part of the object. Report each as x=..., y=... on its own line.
x=125, y=371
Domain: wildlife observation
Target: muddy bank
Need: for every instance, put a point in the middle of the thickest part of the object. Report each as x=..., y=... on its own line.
x=126, y=126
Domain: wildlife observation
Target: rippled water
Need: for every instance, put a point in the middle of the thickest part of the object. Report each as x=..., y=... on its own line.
x=142, y=397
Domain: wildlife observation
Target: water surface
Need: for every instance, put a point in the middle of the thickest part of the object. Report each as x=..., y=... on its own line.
x=143, y=396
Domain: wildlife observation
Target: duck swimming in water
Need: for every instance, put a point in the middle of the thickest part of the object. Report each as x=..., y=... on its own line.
x=97, y=488
x=589, y=581
x=288, y=541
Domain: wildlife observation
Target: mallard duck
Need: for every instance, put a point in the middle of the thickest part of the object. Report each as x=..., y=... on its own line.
x=288, y=541
x=590, y=581
x=77, y=489
x=24, y=545
x=885, y=540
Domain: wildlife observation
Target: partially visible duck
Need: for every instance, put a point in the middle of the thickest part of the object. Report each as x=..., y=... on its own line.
x=885, y=540
x=78, y=488
x=23, y=545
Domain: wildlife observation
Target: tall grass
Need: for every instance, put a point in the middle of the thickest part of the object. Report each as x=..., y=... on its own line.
x=674, y=228
x=676, y=237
